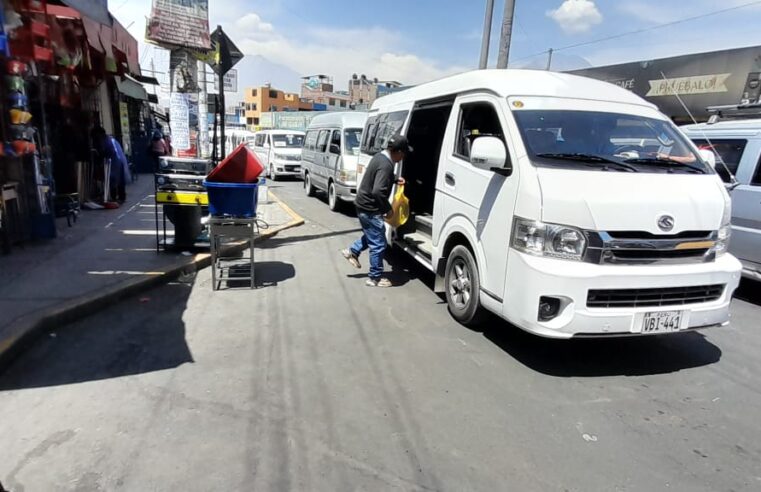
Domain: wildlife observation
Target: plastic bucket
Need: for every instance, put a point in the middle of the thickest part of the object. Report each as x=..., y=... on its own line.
x=232, y=199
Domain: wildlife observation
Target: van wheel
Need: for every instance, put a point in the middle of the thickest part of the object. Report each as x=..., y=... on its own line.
x=463, y=286
x=273, y=176
x=308, y=186
x=334, y=203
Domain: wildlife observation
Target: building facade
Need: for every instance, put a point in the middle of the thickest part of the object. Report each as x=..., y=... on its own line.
x=268, y=99
x=364, y=91
x=319, y=89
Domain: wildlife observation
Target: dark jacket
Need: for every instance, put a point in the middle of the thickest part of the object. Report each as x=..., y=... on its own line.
x=375, y=188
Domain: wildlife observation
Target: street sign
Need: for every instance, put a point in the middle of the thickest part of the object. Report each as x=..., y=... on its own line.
x=230, y=82
x=223, y=54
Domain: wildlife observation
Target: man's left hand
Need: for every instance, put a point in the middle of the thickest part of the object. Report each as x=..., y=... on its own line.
x=401, y=181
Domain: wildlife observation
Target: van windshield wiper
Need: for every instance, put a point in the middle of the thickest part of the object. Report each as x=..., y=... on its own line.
x=669, y=163
x=590, y=159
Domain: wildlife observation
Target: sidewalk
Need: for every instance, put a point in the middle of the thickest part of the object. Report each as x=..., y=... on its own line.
x=106, y=255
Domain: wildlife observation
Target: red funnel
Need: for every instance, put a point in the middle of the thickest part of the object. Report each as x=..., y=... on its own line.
x=241, y=166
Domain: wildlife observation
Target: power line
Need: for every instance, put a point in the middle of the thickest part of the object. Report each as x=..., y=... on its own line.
x=644, y=29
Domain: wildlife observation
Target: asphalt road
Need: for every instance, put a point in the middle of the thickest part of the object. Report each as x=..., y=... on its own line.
x=316, y=382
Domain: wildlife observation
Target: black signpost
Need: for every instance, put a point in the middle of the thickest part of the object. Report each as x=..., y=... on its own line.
x=222, y=57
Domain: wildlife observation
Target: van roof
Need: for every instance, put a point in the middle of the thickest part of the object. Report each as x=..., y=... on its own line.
x=512, y=82
x=344, y=119
x=724, y=127
x=282, y=132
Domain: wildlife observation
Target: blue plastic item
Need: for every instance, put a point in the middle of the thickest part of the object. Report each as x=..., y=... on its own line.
x=232, y=199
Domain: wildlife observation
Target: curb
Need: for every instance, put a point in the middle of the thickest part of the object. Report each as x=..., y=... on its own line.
x=27, y=328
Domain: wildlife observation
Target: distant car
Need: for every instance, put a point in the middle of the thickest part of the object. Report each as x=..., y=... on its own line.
x=279, y=151
x=330, y=155
x=738, y=144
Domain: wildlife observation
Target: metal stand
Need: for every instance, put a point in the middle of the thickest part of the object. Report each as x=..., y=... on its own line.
x=230, y=229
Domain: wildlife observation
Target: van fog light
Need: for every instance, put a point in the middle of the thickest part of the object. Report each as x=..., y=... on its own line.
x=549, y=307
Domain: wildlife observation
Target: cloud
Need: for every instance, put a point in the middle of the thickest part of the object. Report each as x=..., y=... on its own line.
x=576, y=16
x=253, y=25
x=341, y=52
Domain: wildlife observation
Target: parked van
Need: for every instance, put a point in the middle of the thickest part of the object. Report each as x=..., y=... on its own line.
x=568, y=206
x=329, y=158
x=738, y=144
x=279, y=151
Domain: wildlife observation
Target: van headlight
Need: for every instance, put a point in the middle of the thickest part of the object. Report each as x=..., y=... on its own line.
x=281, y=157
x=551, y=240
x=725, y=231
x=346, y=176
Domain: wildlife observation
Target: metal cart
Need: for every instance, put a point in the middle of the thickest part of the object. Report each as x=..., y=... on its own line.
x=222, y=230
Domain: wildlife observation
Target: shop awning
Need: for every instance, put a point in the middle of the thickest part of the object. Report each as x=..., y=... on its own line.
x=153, y=98
x=94, y=9
x=131, y=88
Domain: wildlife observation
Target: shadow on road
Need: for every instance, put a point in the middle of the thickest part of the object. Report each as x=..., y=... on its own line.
x=278, y=241
x=130, y=338
x=632, y=356
x=749, y=291
x=266, y=274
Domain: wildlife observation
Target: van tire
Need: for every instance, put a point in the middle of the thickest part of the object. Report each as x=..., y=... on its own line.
x=463, y=286
x=272, y=174
x=334, y=203
x=308, y=186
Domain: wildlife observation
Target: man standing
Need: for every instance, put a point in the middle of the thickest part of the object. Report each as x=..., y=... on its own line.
x=373, y=205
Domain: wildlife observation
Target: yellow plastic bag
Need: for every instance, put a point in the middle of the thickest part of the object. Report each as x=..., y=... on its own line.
x=400, y=208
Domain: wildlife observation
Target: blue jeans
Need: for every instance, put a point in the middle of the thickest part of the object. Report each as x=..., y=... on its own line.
x=374, y=238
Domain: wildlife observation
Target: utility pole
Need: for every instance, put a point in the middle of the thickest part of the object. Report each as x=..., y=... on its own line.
x=487, y=35
x=203, y=122
x=222, y=110
x=507, y=31
x=549, y=59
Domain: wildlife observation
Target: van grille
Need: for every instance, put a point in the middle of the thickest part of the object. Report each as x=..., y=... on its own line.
x=671, y=296
x=639, y=247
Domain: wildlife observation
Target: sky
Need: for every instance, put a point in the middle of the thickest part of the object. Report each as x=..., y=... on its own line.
x=420, y=40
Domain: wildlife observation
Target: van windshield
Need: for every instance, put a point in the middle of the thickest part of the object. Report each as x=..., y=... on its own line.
x=289, y=140
x=352, y=140
x=606, y=141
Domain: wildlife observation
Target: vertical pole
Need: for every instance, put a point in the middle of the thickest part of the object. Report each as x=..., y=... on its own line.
x=486, y=39
x=549, y=59
x=222, y=112
x=507, y=31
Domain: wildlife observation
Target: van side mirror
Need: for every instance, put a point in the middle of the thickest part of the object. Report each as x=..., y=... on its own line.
x=490, y=154
x=709, y=157
x=335, y=149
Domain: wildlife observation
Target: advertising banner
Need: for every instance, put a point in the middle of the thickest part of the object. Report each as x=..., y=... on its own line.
x=230, y=81
x=179, y=119
x=96, y=10
x=179, y=23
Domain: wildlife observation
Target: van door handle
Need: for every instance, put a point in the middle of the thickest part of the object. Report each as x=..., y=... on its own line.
x=449, y=179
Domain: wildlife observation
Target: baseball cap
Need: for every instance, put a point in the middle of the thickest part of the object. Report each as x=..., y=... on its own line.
x=399, y=143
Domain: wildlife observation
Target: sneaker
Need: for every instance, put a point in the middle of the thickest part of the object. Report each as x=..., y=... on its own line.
x=351, y=258
x=380, y=282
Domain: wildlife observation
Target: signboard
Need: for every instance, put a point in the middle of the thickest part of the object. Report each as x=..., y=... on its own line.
x=183, y=23
x=96, y=10
x=699, y=84
x=183, y=71
x=718, y=78
x=230, y=81
x=179, y=119
x=223, y=54
x=124, y=118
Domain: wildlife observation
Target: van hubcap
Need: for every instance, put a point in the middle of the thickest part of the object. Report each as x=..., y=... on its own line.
x=459, y=284
x=332, y=195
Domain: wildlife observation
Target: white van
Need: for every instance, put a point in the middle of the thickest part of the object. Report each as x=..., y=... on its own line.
x=279, y=151
x=737, y=142
x=568, y=206
x=329, y=158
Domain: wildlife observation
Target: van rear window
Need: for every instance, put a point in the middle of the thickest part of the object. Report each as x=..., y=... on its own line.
x=379, y=129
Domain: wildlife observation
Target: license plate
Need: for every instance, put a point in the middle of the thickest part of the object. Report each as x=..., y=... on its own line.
x=662, y=321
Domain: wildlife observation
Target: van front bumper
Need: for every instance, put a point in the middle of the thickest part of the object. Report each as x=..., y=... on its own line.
x=530, y=277
x=346, y=191
x=287, y=168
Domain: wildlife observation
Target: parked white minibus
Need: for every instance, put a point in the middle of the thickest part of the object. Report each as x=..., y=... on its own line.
x=568, y=206
x=279, y=151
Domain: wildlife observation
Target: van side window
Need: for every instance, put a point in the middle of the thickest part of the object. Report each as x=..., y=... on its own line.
x=322, y=140
x=380, y=130
x=478, y=119
x=335, y=140
x=729, y=150
x=311, y=140
x=756, y=179
x=259, y=142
